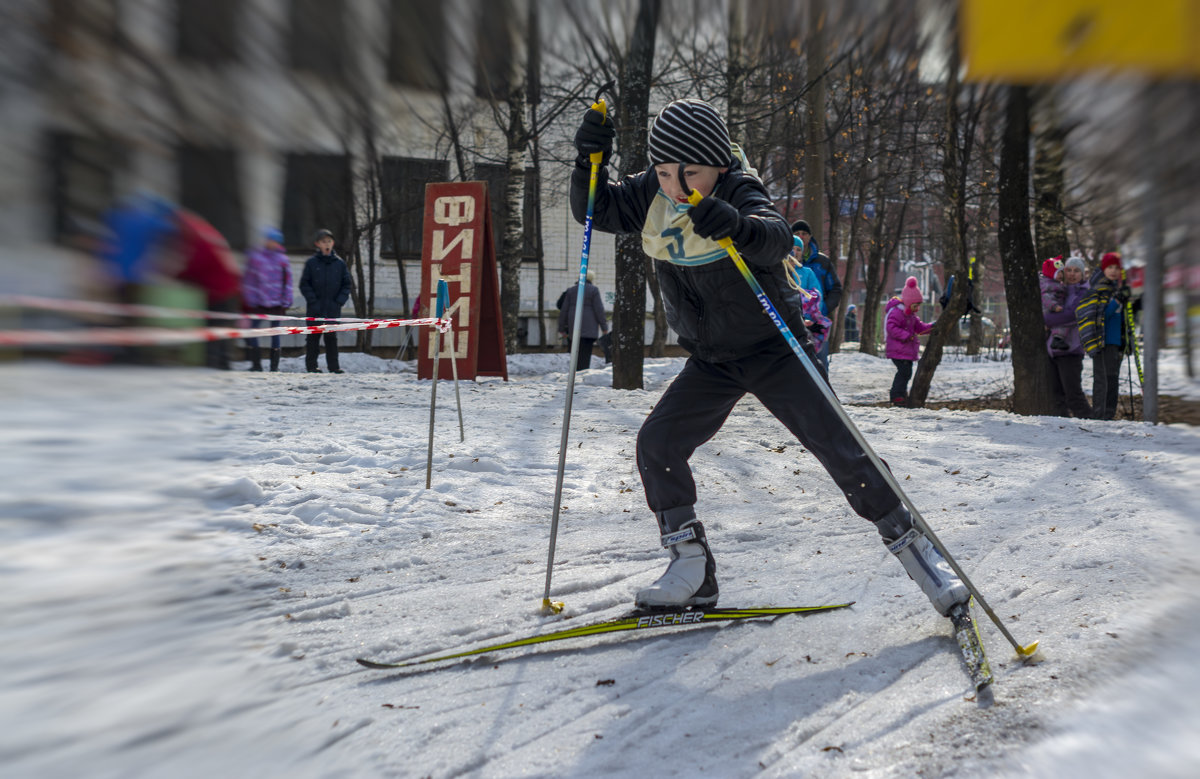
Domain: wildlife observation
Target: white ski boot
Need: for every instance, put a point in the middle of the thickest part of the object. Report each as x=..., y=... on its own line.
x=691, y=576
x=922, y=561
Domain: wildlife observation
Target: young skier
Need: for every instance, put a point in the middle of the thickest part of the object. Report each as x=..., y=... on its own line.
x=734, y=346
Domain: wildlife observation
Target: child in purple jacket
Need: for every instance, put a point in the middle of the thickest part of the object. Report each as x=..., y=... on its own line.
x=902, y=328
x=266, y=289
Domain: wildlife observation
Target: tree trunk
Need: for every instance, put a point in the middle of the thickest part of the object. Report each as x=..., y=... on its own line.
x=513, y=241
x=954, y=162
x=514, y=229
x=534, y=42
x=871, y=277
x=737, y=69
x=1030, y=362
x=1049, y=146
x=814, y=154
x=629, y=310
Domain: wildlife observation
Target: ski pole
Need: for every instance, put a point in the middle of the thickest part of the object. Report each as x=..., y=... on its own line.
x=727, y=244
x=596, y=159
x=444, y=304
x=443, y=299
x=1133, y=343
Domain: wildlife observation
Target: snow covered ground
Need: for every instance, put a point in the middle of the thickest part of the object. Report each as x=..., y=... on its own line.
x=193, y=559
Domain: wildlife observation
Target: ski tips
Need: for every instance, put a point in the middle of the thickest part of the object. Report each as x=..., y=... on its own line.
x=551, y=607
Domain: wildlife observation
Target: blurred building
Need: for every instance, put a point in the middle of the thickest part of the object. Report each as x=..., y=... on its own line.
x=300, y=114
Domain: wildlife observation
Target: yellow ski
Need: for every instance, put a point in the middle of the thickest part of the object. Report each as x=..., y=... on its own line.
x=638, y=620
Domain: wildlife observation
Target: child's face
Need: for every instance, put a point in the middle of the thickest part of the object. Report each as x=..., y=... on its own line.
x=325, y=244
x=1112, y=272
x=702, y=178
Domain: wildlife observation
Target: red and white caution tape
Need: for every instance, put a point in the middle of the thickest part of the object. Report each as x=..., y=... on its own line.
x=157, y=336
x=149, y=312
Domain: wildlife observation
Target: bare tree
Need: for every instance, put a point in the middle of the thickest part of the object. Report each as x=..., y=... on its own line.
x=814, y=160
x=1030, y=375
x=1049, y=180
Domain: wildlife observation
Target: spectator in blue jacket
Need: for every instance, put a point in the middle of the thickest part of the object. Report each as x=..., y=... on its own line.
x=826, y=272
x=1106, y=361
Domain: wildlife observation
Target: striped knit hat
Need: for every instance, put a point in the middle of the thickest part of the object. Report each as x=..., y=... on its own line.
x=690, y=131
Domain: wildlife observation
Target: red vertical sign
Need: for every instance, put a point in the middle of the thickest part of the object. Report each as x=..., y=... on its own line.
x=457, y=246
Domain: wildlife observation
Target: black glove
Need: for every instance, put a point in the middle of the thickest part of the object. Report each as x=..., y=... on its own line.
x=595, y=134
x=714, y=218
x=1123, y=294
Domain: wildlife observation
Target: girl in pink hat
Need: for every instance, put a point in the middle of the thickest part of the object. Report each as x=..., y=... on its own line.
x=902, y=327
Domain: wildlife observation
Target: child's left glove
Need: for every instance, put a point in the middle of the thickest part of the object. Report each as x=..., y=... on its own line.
x=714, y=218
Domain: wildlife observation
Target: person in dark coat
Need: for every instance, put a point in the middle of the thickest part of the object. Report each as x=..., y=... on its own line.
x=325, y=284
x=851, y=323
x=594, y=321
x=735, y=348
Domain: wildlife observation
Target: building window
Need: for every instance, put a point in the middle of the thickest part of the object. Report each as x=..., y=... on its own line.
x=403, y=192
x=318, y=38
x=206, y=30
x=496, y=177
x=208, y=186
x=82, y=185
x=493, y=50
x=82, y=28
x=417, y=44
x=317, y=194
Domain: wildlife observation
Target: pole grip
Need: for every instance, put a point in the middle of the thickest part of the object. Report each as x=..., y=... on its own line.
x=600, y=105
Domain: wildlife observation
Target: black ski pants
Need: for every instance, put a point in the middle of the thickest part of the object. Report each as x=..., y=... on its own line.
x=1066, y=381
x=699, y=400
x=1106, y=381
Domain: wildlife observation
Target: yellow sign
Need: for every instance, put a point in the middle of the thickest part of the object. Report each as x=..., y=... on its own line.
x=1026, y=41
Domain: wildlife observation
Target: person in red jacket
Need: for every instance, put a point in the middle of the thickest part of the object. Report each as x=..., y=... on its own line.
x=207, y=262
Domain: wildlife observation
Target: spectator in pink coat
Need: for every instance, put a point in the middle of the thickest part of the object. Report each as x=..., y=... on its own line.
x=902, y=327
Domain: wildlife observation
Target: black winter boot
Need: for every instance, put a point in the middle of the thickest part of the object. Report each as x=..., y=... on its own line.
x=275, y=353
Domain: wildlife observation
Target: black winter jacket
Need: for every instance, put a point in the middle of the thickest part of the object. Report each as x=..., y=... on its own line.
x=711, y=307
x=325, y=285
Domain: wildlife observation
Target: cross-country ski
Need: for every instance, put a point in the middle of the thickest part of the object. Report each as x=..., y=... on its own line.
x=638, y=620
